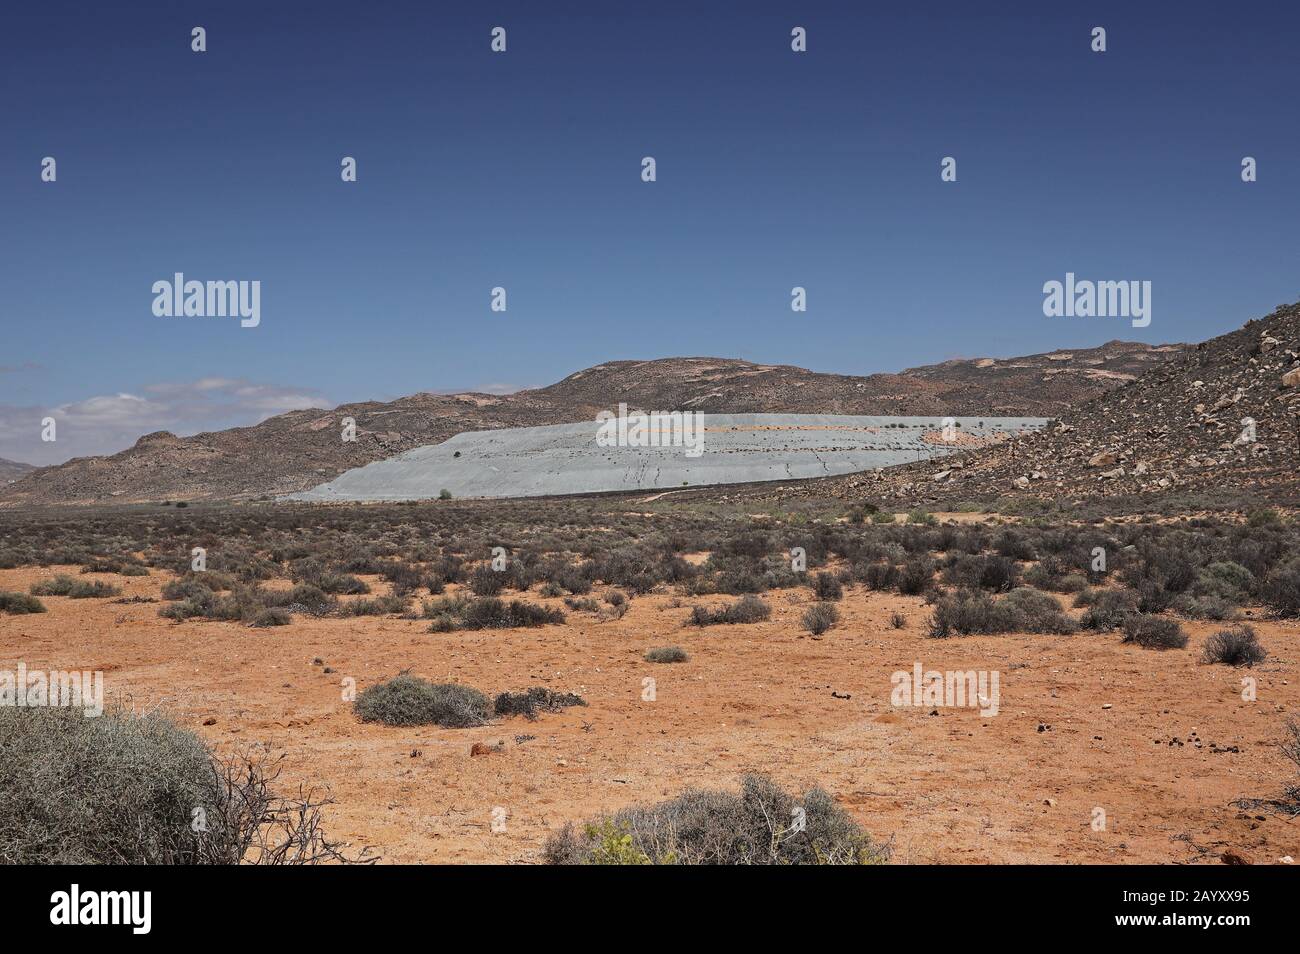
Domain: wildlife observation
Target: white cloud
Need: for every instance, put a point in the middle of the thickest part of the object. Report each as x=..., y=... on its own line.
x=105, y=424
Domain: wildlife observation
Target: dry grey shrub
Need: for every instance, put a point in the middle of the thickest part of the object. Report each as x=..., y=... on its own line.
x=122, y=788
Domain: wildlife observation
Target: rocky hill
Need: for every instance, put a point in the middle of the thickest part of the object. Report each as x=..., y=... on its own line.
x=300, y=449
x=11, y=470
x=1041, y=385
x=1224, y=414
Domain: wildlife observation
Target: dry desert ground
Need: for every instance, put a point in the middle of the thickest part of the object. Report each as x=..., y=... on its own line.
x=1161, y=742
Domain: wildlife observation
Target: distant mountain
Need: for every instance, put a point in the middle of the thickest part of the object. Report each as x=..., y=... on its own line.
x=11, y=470
x=301, y=449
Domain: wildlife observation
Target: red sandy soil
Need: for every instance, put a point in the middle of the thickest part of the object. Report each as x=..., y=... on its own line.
x=946, y=785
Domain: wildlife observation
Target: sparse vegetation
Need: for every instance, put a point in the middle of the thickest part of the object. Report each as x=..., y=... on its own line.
x=410, y=700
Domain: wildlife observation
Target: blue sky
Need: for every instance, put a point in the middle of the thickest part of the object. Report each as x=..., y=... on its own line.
x=522, y=170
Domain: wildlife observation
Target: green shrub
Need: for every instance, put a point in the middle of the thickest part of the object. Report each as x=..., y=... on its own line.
x=1039, y=613
x=378, y=606
x=917, y=576
x=1106, y=608
x=827, y=586
x=666, y=654
x=1281, y=589
x=17, y=604
x=409, y=700
x=485, y=581
x=997, y=574
x=342, y=584
x=968, y=612
x=272, y=616
x=302, y=598
x=753, y=827
x=747, y=609
x=1206, y=607
x=492, y=613
x=1154, y=632
x=64, y=585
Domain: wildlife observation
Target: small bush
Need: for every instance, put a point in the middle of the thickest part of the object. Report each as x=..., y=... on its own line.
x=1206, y=607
x=494, y=614
x=378, y=606
x=917, y=576
x=64, y=585
x=196, y=586
x=968, y=612
x=877, y=576
x=538, y=697
x=459, y=612
x=753, y=827
x=17, y=604
x=748, y=609
x=1154, y=598
x=340, y=584
x=303, y=598
x=409, y=700
x=1264, y=517
x=485, y=581
x=897, y=620
x=1106, y=608
x=1238, y=646
x=666, y=654
x=996, y=574
x=1039, y=613
x=820, y=617
x=1154, y=632
x=1281, y=589
x=272, y=616
x=827, y=586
